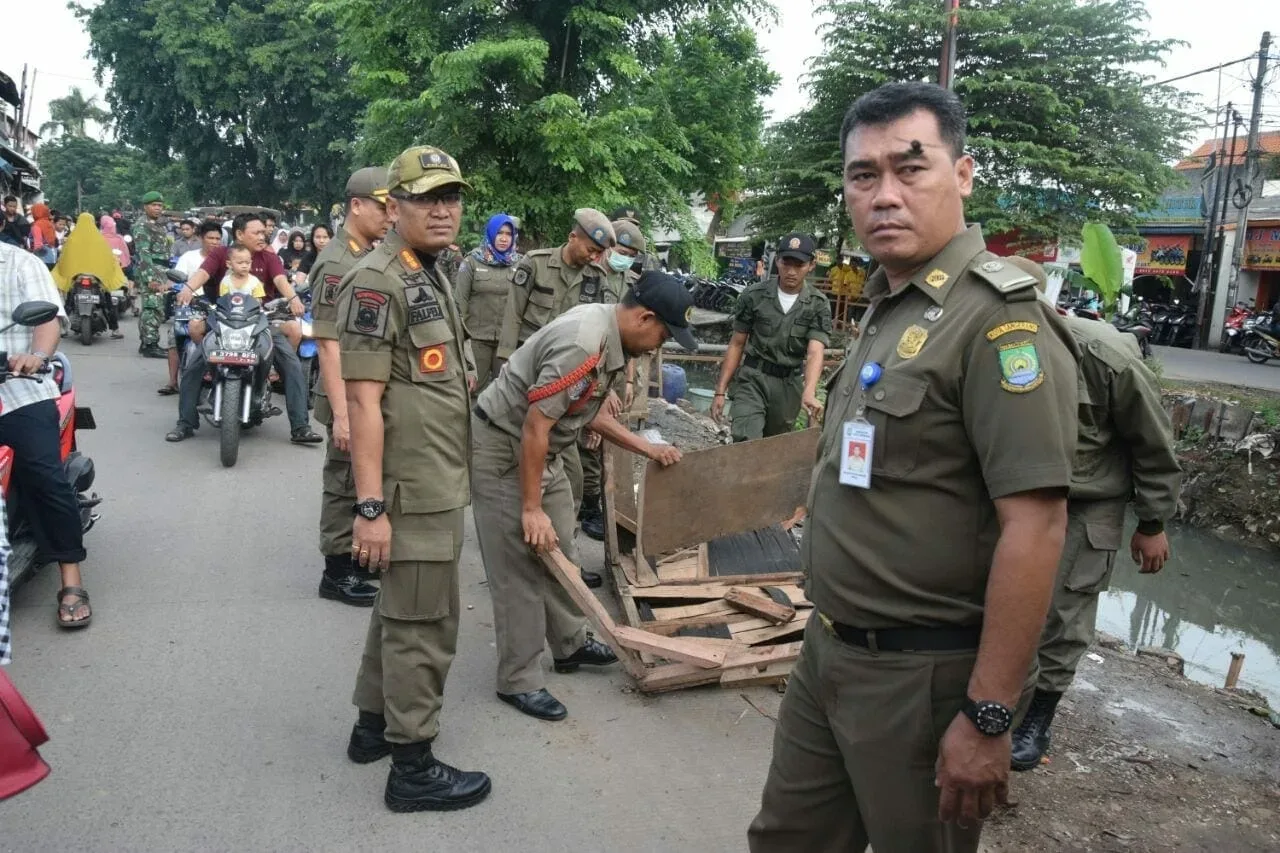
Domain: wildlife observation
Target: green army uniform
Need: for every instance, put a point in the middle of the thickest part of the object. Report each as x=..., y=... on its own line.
x=339, y=486
x=1125, y=450
x=482, y=291
x=151, y=245
x=768, y=386
x=397, y=323
x=975, y=401
x=558, y=370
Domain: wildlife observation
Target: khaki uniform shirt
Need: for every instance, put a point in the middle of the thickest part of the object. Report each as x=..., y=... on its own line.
x=561, y=370
x=398, y=324
x=977, y=401
x=777, y=337
x=543, y=288
x=482, y=297
x=334, y=262
x=1126, y=441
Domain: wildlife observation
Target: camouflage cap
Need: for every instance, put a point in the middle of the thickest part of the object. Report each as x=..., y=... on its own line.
x=595, y=225
x=369, y=182
x=628, y=235
x=422, y=169
x=152, y=197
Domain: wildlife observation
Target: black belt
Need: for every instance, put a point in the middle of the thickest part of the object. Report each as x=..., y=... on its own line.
x=768, y=368
x=483, y=416
x=907, y=639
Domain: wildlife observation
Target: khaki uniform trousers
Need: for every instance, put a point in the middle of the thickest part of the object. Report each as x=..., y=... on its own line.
x=530, y=607
x=855, y=748
x=487, y=364
x=763, y=405
x=413, y=629
x=1094, y=533
x=337, y=491
x=571, y=458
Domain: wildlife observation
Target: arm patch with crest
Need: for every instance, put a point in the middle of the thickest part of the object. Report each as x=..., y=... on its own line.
x=368, y=313
x=329, y=289
x=521, y=276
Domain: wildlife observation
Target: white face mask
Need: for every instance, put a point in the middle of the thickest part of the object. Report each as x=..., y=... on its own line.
x=620, y=262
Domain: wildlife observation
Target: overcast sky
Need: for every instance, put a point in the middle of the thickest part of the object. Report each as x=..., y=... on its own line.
x=53, y=41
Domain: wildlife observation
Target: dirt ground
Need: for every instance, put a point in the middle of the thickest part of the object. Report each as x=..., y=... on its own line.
x=1232, y=492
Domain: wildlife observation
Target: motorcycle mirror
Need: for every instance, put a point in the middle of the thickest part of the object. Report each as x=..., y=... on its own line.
x=175, y=275
x=34, y=313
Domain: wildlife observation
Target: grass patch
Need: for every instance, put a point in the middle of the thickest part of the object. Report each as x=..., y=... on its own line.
x=1265, y=403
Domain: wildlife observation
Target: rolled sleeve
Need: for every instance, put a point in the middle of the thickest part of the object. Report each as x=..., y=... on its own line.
x=1021, y=426
x=820, y=325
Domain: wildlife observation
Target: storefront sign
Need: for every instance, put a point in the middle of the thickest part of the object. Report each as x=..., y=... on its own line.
x=1262, y=248
x=1013, y=243
x=1163, y=254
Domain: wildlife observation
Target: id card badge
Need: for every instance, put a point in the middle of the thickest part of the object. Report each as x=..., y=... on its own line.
x=856, y=454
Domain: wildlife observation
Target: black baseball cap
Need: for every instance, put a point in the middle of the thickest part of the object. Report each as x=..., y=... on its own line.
x=665, y=296
x=796, y=245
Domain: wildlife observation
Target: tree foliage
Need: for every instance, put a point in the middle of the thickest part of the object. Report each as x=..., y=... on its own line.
x=68, y=115
x=84, y=174
x=1062, y=130
x=249, y=95
x=554, y=105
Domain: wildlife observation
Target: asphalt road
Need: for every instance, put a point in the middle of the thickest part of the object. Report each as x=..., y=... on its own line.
x=1201, y=366
x=207, y=707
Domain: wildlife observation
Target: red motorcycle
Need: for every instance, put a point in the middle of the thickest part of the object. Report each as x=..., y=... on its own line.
x=1239, y=320
x=23, y=559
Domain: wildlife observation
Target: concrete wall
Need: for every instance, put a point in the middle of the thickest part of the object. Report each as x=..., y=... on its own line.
x=1213, y=418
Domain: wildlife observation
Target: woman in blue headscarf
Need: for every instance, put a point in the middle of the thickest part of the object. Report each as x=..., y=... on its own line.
x=484, y=280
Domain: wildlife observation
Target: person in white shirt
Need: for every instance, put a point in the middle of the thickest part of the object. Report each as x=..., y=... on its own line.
x=210, y=236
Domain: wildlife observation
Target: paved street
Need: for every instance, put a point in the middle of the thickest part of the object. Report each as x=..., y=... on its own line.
x=1195, y=366
x=207, y=707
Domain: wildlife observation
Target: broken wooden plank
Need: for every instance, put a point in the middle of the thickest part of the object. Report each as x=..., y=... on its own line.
x=703, y=592
x=704, y=567
x=627, y=564
x=755, y=676
x=645, y=575
x=686, y=611
x=769, y=632
x=700, y=652
x=674, y=676
x=775, y=579
x=685, y=568
x=757, y=484
x=570, y=577
x=758, y=604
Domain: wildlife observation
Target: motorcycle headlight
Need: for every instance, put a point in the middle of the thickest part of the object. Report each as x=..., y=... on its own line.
x=236, y=339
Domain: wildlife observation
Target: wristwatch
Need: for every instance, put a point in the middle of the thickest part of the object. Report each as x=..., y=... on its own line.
x=370, y=508
x=990, y=718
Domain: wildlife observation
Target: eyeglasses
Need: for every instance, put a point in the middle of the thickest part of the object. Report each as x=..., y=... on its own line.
x=450, y=198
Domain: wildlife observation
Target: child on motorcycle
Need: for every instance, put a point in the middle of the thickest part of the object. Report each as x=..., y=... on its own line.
x=239, y=280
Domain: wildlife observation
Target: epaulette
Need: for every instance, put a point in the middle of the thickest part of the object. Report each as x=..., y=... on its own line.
x=1011, y=282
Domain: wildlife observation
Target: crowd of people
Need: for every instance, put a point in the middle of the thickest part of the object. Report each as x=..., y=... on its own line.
x=975, y=461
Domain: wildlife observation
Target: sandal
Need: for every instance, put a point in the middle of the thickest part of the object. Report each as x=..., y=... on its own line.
x=81, y=598
x=167, y=391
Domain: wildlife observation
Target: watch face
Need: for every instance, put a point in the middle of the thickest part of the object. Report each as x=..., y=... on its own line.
x=992, y=718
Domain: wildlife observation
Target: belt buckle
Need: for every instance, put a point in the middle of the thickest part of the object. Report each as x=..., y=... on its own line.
x=827, y=623
x=872, y=645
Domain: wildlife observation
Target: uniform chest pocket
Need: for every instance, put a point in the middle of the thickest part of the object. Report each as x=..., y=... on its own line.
x=541, y=305
x=488, y=281
x=798, y=336
x=893, y=406
x=433, y=357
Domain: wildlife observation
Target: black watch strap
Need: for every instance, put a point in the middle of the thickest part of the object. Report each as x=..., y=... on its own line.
x=1150, y=527
x=990, y=718
x=369, y=508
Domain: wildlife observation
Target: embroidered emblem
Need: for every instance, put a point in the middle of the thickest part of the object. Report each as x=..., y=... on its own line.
x=578, y=389
x=795, y=243
x=933, y=314
x=521, y=277
x=688, y=315
x=423, y=305
x=432, y=359
x=1005, y=328
x=992, y=266
x=368, y=313
x=329, y=293
x=936, y=278
x=1020, y=370
x=912, y=341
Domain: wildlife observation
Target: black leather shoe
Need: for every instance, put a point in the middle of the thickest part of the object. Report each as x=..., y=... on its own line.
x=420, y=782
x=592, y=653
x=367, y=742
x=179, y=433
x=348, y=589
x=336, y=567
x=1031, y=738
x=539, y=703
x=306, y=435
x=591, y=579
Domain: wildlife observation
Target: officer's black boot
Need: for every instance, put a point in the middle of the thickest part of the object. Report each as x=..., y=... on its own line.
x=591, y=517
x=1031, y=739
x=367, y=742
x=418, y=782
x=340, y=582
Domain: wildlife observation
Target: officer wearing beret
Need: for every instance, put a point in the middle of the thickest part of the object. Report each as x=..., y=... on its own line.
x=629, y=213
x=365, y=223
x=931, y=567
x=1124, y=451
x=151, y=245
x=406, y=380
x=525, y=421
x=781, y=329
x=548, y=282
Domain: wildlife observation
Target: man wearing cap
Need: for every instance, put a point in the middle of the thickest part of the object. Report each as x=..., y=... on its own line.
x=151, y=251
x=525, y=421
x=784, y=327
x=365, y=223
x=406, y=382
x=629, y=213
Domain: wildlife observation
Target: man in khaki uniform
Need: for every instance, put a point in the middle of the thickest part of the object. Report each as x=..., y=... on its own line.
x=365, y=223
x=781, y=330
x=623, y=269
x=404, y=365
x=930, y=568
x=525, y=421
x=1124, y=451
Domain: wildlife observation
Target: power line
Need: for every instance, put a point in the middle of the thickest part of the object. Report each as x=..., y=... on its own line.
x=1202, y=71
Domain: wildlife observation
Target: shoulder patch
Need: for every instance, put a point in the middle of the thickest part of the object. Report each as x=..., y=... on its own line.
x=1005, y=278
x=1020, y=370
x=368, y=313
x=521, y=276
x=1005, y=328
x=329, y=289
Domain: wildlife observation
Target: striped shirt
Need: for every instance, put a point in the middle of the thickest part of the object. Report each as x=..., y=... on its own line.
x=24, y=278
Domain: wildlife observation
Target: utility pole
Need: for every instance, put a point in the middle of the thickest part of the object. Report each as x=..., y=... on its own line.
x=947, y=66
x=1208, y=256
x=1252, y=156
x=22, y=107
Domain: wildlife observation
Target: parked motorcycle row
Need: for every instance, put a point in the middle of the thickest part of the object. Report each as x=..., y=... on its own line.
x=1254, y=334
x=721, y=296
x=1149, y=324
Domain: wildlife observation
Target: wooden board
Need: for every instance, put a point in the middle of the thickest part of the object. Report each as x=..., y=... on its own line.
x=687, y=611
x=767, y=632
x=782, y=579
x=684, y=568
x=695, y=592
x=752, y=676
x=674, y=676
x=622, y=465
x=702, y=652
x=757, y=484
x=758, y=604
x=570, y=577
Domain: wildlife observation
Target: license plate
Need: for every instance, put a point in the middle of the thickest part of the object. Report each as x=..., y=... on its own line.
x=86, y=299
x=238, y=358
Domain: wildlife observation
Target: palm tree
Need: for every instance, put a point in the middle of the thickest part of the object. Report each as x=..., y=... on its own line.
x=72, y=112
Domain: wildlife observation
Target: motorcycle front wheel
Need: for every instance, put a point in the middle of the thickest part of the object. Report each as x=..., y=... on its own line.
x=229, y=430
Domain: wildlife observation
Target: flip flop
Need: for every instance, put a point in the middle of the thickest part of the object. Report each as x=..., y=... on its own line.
x=81, y=597
x=167, y=391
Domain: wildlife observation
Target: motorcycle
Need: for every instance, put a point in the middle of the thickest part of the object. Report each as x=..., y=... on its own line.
x=307, y=349
x=1240, y=319
x=84, y=307
x=24, y=560
x=237, y=347
x=180, y=314
x=1262, y=342
x=1137, y=322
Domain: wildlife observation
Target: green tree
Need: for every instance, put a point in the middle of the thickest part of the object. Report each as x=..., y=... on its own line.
x=83, y=174
x=554, y=105
x=249, y=95
x=68, y=115
x=1062, y=129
